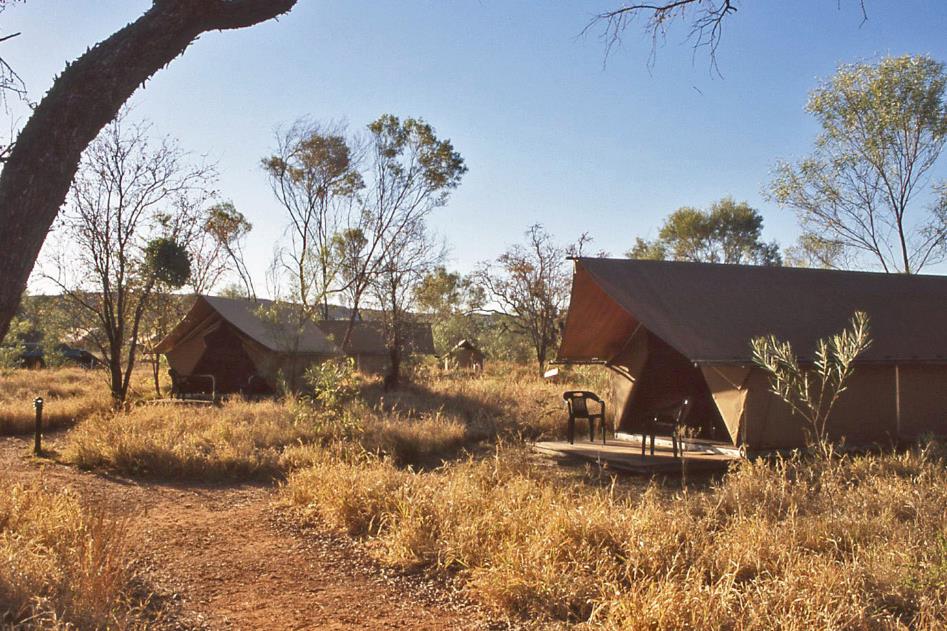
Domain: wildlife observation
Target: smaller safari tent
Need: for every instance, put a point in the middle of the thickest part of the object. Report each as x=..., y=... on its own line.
x=669, y=330
x=464, y=356
x=230, y=339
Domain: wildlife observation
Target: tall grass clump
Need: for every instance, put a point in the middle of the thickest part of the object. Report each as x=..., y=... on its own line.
x=506, y=399
x=236, y=440
x=857, y=542
x=253, y=440
x=60, y=567
x=69, y=394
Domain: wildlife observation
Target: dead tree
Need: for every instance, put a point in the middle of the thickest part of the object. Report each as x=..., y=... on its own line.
x=84, y=98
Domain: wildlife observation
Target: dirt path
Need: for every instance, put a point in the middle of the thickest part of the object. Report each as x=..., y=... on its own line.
x=224, y=557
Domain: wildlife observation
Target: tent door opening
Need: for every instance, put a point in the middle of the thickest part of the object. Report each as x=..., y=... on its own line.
x=226, y=359
x=666, y=379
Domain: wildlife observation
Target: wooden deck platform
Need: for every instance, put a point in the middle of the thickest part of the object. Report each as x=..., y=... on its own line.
x=626, y=456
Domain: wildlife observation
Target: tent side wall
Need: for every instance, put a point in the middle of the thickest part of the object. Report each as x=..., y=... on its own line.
x=274, y=366
x=728, y=387
x=464, y=359
x=185, y=355
x=372, y=364
x=865, y=413
x=923, y=398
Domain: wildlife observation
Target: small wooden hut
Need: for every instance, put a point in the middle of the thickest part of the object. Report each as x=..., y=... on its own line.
x=464, y=356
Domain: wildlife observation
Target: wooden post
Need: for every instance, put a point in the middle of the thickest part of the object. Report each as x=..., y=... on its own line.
x=37, y=439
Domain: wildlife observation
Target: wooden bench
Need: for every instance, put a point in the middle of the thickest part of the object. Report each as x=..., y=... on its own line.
x=197, y=387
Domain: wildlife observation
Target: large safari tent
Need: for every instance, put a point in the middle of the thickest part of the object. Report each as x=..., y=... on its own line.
x=236, y=339
x=669, y=330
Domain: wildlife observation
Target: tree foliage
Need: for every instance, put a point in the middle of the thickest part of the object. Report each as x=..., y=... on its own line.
x=729, y=232
x=450, y=299
x=218, y=249
x=314, y=175
x=528, y=285
x=358, y=209
x=134, y=208
x=861, y=190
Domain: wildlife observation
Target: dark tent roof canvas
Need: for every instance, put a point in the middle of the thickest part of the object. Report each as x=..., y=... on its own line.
x=245, y=338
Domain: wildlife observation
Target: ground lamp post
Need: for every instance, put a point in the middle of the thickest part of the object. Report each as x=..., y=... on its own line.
x=37, y=445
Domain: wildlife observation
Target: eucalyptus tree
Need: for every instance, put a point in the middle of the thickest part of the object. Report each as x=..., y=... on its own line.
x=314, y=174
x=401, y=272
x=218, y=249
x=729, y=232
x=38, y=169
x=528, y=286
x=410, y=172
x=133, y=209
x=866, y=187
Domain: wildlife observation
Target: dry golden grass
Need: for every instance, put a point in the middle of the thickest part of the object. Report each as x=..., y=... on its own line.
x=236, y=440
x=419, y=425
x=69, y=394
x=854, y=544
x=507, y=400
x=60, y=568
x=244, y=440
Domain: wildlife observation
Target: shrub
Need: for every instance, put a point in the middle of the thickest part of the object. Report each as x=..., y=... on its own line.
x=813, y=393
x=334, y=382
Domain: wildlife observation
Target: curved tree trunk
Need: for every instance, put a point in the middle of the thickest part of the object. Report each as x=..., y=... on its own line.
x=83, y=99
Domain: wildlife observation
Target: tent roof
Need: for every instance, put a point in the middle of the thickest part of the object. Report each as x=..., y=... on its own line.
x=709, y=313
x=321, y=338
x=367, y=337
x=420, y=338
x=464, y=344
x=243, y=315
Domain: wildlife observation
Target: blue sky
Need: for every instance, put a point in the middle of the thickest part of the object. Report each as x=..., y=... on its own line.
x=550, y=135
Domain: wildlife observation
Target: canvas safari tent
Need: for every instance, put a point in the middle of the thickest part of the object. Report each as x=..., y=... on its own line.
x=235, y=339
x=669, y=330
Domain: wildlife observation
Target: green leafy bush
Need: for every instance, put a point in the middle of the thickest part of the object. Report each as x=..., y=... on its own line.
x=334, y=382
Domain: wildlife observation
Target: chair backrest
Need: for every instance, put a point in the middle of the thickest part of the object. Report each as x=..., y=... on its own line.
x=683, y=410
x=578, y=402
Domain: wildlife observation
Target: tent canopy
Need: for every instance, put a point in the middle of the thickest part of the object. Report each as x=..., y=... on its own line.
x=247, y=317
x=709, y=312
x=273, y=332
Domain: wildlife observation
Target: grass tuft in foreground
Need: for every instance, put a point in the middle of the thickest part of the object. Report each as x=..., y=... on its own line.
x=237, y=440
x=61, y=568
x=854, y=543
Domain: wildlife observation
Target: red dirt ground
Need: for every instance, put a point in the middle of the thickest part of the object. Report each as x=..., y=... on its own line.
x=224, y=557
